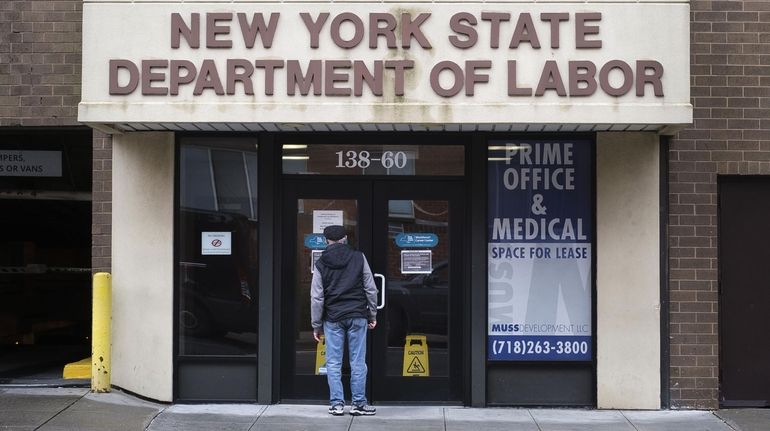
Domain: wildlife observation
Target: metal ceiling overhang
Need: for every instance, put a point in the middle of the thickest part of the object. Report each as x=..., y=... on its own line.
x=117, y=128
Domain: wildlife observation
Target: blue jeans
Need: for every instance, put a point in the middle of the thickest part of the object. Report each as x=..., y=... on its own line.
x=335, y=332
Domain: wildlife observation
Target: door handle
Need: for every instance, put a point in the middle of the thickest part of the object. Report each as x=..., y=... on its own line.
x=382, y=291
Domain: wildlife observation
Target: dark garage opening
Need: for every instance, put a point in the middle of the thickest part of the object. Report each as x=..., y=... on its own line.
x=45, y=252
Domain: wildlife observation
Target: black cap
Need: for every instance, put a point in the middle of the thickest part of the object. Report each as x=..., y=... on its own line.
x=334, y=232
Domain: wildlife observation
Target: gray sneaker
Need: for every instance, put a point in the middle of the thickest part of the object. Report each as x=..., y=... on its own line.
x=363, y=410
x=337, y=410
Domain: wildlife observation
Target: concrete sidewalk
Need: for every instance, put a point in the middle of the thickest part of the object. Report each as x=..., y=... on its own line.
x=77, y=409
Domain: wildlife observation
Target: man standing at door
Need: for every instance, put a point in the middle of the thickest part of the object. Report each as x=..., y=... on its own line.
x=343, y=303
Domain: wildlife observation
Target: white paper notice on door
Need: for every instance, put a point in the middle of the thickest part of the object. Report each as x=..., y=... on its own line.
x=216, y=243
x=314, y=256
x=324, y=218
x=416, y=261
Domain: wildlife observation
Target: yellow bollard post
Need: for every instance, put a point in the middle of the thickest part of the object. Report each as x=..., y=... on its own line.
x=100, y=332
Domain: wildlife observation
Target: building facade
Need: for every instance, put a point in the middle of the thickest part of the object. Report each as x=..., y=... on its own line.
x=557, y=166
x=493, y=164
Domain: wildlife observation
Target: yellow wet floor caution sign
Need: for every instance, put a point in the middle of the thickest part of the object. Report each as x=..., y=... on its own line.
x=320, y=357
x=416, y=361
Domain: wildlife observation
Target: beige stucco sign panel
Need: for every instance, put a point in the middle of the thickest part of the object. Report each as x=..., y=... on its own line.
x=517, y=62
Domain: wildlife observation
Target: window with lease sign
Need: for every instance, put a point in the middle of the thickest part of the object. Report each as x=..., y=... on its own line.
x=540, y=219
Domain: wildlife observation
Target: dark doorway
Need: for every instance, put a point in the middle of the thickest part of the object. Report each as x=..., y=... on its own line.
x=45, y=253
x=744, y=308
x=411, y=229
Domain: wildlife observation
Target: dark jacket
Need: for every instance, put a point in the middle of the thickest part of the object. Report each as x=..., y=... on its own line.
x=343, y=283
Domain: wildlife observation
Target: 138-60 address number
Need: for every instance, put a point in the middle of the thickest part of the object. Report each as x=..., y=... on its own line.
x=363, y=159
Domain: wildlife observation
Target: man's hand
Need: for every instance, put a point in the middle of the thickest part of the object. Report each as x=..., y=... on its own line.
x=372, y=324
x=317, y=334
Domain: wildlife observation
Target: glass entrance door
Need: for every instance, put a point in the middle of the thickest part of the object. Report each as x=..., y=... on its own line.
x=411, y=233
x=308, y=207
x=416, y=349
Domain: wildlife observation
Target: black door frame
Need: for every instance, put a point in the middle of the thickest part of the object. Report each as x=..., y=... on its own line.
x=478, y=248
x=425, y=389
x=206, y=370
x=302, y=388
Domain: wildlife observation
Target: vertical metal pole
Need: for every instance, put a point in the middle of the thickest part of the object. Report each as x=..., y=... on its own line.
x=665, y=328
x=478, y=294
x=268, y=174
x=100, y=332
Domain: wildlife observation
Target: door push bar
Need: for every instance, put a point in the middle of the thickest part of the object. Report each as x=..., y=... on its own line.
x=382, y=291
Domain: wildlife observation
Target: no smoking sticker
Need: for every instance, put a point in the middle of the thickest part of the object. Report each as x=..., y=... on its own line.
x=216, y=243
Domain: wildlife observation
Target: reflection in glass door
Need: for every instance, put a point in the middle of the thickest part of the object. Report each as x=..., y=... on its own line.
x=410, y=232
x=417, y=293
x=312, y=216
x=417, y=350
x=309, y=206
x=217, y=286
x=217, y=270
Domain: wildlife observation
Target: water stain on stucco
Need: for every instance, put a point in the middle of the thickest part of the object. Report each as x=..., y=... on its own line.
x=392, y=108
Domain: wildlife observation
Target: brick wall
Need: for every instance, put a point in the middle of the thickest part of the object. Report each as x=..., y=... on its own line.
x=101, y=221
x=730, y=83
x=40, y=62
x=40, y=58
